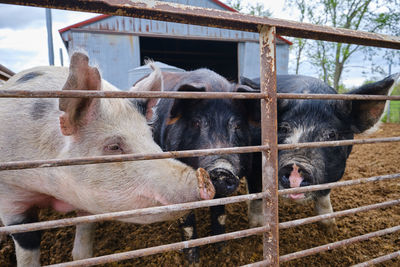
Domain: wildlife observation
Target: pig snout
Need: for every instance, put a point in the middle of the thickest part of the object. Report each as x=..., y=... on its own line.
x=206, y=188
x=292, y=176
x=225, y=182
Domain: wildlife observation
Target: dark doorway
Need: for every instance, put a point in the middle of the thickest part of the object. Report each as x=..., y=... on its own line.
x=218, y=56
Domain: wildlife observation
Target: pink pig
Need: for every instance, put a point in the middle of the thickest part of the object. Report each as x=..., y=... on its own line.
x=33, y=129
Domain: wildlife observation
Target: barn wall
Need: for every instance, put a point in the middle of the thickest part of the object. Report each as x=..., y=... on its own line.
x=249, y=59
x=114, y=54
x=124, y=54
x=282, y=58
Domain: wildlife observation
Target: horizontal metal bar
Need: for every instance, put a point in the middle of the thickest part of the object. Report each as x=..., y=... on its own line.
x=187, y=95
x=19, y=165
x=337, y=184
x=164, y=248
x=337, y=96
x=338, y=143
x=337, y=244
x=126, y=214
x=125, y=94
x=215, y=18
x=379, y=259
x=364, y=264
x=336, y=214
x=258, y=264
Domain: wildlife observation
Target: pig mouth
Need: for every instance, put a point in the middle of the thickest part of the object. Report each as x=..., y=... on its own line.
x=293, y=176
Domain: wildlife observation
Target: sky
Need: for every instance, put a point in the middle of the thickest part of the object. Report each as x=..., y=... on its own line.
x=23, y=35
x=23, y=39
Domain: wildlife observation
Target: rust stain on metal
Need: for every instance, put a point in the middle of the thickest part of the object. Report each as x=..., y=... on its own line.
x=216, y=18
x=269, y=136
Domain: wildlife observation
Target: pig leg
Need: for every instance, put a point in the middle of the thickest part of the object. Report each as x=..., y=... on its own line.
x=254, y=207
x=189, y=231
x=2, y=236
x=255, y=214
x=83, y=242
x=323, y=206
x=27, y=245
x=218, y=218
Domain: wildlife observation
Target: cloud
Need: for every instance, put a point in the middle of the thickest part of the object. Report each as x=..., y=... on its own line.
x=17, y=17
x=23, y=35
x=17, y=60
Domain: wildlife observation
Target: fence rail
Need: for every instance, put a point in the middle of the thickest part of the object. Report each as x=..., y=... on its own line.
x=164, y=248
x=215, y=18
x=185, y=95
x=29, y=164
x=268, y=28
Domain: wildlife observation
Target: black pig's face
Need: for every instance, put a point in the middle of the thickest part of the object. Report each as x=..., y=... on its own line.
x=186, y=124
x=302, y=121
x=312, y=121
x=206, y=124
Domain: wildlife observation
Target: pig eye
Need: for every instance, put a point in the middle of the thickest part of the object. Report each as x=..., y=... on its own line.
x=235, y=125
x=284, y=128
x=330, y=135
x=113, y=148
x=196, y=123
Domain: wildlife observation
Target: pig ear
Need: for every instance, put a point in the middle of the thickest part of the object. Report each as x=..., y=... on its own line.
x=253, y=83
x=252, y=106
x=180, y=105
x=152, y=82
x=365, y=114
x=81, y=77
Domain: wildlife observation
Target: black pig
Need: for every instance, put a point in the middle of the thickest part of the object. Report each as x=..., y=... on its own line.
x=312, y=121
x=185, y=124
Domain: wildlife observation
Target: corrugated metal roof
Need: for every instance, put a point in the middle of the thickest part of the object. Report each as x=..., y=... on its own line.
x=200, y=3
x=145, y=26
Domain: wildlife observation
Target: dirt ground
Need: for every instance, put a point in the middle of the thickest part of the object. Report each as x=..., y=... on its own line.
x=365, y=161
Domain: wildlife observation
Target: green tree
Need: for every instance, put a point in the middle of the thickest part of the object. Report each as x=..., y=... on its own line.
x=299, y=44
x=367, y=15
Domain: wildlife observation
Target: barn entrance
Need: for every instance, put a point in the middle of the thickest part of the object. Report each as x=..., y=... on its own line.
x=218, y=56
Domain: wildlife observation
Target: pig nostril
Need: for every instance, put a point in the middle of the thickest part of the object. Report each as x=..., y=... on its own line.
x=231, y=182
x=285, y=180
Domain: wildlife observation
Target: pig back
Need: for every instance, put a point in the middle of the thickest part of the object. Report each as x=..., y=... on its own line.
x=29, y=126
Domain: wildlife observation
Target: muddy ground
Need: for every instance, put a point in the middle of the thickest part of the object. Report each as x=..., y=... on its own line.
x=365, y=161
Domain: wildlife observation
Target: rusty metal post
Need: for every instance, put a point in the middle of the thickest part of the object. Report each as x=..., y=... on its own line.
x=269, y=136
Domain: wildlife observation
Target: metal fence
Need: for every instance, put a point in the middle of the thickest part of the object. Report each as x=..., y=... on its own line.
x=268, y=28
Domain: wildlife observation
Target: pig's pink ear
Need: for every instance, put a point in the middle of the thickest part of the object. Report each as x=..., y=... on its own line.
x=76, y=110
x=153, y=82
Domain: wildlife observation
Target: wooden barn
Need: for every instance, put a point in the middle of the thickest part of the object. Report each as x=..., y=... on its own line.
x=119, y=44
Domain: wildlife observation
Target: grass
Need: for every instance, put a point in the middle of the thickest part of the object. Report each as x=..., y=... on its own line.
x=394, y=108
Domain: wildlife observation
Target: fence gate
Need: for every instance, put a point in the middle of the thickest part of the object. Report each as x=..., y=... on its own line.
x=268, y=28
